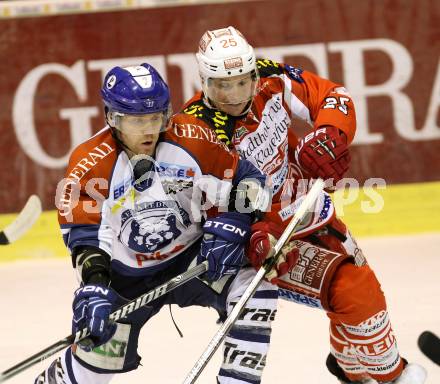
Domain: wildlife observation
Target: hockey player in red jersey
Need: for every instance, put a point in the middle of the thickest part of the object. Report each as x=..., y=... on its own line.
x=251, y=106
x=131, y=218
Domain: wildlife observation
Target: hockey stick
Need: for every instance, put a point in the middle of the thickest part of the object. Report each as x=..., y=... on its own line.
x=24, y=221
x=230, y=320
x=120, y=313
x=429, y=344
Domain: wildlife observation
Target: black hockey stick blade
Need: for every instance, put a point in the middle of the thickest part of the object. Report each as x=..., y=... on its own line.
x=120, y=313
x=3, y=239
x=429, y=344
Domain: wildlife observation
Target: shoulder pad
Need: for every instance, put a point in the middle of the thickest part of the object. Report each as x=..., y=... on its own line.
x=294, y=73
x=93, y=158
x=268, y=67
x=220, y=122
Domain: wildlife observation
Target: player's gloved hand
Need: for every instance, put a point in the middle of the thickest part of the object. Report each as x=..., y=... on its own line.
x=263, y=239
x=324, y=153
x=92, y=306
x=223, y=243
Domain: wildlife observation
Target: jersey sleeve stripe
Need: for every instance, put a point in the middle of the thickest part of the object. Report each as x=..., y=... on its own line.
x=297, y=107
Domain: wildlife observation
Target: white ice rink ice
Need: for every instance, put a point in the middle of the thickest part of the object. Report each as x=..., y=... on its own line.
x=35, y=300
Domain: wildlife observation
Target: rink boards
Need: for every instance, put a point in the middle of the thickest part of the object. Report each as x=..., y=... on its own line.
x=395, y=210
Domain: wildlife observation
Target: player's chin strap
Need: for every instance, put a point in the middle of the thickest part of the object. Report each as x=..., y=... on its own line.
x=271, y=261
x=244, y=112
x=211, y=104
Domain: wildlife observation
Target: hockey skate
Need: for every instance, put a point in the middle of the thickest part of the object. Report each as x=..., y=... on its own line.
x=367, y=381
x=411, y=374
x=337, y=371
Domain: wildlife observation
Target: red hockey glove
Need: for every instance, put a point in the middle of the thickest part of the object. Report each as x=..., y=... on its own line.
x=324, y=153
x=263, y=238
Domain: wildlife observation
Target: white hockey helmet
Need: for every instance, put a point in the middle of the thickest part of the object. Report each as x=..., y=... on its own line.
x=224, y=54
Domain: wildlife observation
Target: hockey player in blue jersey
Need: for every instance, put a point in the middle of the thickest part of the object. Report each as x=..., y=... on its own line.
x=132, y=217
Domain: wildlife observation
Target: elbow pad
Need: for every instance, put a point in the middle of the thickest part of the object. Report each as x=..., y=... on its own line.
x=249, y=196
x=92, y=265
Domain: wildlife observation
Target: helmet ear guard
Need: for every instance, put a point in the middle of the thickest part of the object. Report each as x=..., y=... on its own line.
x=110, y=117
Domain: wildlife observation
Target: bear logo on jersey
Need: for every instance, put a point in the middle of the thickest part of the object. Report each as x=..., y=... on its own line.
x=150, y=237
x=151, y=228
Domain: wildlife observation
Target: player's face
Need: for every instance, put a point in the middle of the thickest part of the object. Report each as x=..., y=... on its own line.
x=232, y=95
x=141, y=132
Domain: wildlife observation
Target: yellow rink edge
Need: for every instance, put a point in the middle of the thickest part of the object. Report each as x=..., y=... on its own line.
x=395, y=210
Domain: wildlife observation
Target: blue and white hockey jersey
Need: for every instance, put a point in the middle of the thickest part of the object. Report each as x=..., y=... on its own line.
x=143, y=225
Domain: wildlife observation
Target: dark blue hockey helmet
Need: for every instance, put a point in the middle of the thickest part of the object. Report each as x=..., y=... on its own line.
x=135, y=90
x=132, y=95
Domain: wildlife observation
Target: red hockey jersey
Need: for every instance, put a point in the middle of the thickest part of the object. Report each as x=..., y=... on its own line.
x=266, y=136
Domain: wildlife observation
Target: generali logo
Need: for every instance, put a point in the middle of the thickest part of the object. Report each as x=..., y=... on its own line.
x=394, y=88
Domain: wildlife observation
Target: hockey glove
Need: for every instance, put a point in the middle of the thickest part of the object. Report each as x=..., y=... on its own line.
x=223, y=243
x=324, y=153
x=264, y=237
x=92, y=306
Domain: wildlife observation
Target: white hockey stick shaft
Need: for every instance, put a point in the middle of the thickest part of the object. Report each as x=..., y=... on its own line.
x=305, y=206
x=24, y=221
